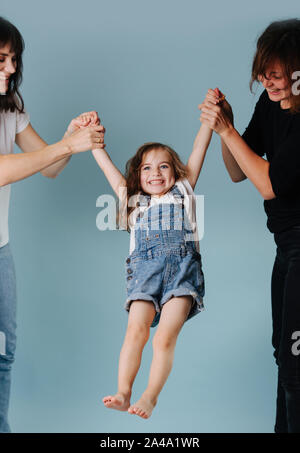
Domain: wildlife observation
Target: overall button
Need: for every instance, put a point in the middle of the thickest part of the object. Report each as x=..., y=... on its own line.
x=130, y=277
x=128, y=260
x=129, y=271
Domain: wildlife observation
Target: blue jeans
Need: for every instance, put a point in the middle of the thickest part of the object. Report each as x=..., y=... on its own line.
x=286, y=323
x=8, y=301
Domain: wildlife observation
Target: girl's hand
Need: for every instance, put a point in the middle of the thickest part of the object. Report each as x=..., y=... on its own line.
x=215, y=97
x=85, y=139
x=216, y=111
x=83, y=120
x=212, y=96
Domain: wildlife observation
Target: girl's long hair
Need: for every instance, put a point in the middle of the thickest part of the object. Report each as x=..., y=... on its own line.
x=9, y=34
x=279, y=42
x=133, y=169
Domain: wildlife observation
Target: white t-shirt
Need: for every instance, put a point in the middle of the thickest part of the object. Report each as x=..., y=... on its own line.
x=11, y=123
x=189, y=204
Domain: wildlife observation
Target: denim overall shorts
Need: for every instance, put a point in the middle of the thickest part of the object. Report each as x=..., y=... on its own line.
x=163, y=264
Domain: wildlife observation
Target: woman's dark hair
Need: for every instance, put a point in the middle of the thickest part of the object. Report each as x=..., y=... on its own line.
x=9, y=34
x=279, y=42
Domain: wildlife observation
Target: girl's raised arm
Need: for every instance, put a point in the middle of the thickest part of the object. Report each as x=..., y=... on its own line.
x=201, y=144
x=112, y=173
x=197, y=156
x=231, y=164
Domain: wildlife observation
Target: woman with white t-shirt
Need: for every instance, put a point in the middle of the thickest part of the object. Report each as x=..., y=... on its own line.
x=38, y=157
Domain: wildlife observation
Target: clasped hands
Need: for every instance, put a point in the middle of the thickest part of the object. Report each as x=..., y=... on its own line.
x=85, y=132
x=216, y=112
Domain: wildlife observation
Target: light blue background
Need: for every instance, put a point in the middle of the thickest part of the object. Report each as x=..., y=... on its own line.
x=144, y=66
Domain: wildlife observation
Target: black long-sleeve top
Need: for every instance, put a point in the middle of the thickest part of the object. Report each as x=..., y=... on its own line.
x=275, y=132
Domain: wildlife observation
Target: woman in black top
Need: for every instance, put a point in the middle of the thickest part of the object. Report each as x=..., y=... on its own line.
x=274, y=131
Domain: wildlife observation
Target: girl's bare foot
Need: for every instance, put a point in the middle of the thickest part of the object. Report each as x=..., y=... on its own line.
x=143, y=408
x=119, y=401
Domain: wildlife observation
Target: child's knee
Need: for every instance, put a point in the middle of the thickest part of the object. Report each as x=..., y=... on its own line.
x=137, y=332
x=164, y=340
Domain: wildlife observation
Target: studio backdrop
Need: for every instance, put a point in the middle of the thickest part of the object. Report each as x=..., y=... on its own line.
x=145, y=67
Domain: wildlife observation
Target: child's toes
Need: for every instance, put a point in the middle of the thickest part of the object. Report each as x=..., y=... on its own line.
x=107, y=401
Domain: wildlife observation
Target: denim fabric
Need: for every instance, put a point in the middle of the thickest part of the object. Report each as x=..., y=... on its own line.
x=7, y=330
x=164, y=264
x=286, y=322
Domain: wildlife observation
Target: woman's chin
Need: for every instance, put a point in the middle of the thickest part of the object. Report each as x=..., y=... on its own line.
x=274, y=96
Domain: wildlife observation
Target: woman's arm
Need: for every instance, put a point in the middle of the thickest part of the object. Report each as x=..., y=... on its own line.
x=14, y=167
x=197, y=156
x=253, y=166
x=234, y=170
x=256, y=168
x=29, y=141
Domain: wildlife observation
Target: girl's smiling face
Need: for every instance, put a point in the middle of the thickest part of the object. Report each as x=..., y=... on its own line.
x=156, y=172
x=8, y=66
x=276, y=84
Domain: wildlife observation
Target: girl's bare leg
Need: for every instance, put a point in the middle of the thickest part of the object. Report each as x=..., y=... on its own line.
x=173, y=315
x=140, y=318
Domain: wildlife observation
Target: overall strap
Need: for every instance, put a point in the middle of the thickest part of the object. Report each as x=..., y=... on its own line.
x=175, y=191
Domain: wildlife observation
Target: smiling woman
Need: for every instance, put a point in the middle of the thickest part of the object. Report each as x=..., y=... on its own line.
x=274, y=131
x=277, y=84
x=11, y=66
x=38, y=157
x=275, y=61
x=8, y=66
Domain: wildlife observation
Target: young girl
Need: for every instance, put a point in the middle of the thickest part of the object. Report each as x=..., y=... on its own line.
x=165, y=282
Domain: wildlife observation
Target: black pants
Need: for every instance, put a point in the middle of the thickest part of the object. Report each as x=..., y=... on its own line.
x=286, y=329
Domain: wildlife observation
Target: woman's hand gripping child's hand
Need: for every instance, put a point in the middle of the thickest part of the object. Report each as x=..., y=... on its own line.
x=87, y=119
x=216, y=111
